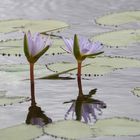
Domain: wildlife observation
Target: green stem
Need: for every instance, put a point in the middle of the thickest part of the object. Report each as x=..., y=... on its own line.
x=33, y=103
x=79, y=79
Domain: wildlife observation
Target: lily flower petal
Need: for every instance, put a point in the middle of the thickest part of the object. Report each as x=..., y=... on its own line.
x=86, y=47
x=69, y=44
x=35, y=46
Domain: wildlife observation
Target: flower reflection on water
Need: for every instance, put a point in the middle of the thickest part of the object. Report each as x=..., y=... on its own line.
x=37, y=117
x=86, y=108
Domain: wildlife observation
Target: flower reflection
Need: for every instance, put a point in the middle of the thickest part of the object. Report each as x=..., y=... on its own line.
x=37, y=117
x=86, y=108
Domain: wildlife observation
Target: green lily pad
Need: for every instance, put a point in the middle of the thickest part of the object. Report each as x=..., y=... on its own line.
x=15, y=47
x=69, y=129
x=19, y=68
x=116, y=127
x=11, y=43
x=119, y=38
x=97, y=66
x=21, y=72
x=20, y=132
x=136, y=91
x=119, y=18
x=5, y=100
x=33, y=25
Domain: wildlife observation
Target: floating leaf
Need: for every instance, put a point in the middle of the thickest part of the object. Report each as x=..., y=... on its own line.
x=19, y=68
x=118, y=38
x=20, y=132
x=119, y=18
x=11, y=43
x=14, y=47
x=69, y=129
x=57, y=75
x=97, y=66
x=116, y=127
x=18, y=72
x=136, y=91
x=33, y=25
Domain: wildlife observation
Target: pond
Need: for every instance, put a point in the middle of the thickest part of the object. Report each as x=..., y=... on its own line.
x=114, y=74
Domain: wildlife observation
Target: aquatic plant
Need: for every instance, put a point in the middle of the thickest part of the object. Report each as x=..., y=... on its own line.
x=82, y=48
x=34, y=47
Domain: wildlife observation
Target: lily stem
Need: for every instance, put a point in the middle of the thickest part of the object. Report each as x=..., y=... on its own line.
x=33, y=102
x=79, y=79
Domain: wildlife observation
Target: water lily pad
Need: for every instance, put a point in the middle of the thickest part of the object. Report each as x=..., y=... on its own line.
x=69, y=129
x=21, y=72
x=20, y=132
x=118, y=38
x=15, y=47
x=5, y=100
x=97, y=66
x=33, y=25
x=136, y=91
x=19, y=68
x=15, y=72
x=116, y=127
x=119, y=18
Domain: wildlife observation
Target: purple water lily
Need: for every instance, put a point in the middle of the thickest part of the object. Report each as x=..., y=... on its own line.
x=82, y=48
x=86, y=47
x=34, y=47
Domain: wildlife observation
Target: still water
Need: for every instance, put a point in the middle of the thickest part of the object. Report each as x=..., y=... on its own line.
x=114, y=88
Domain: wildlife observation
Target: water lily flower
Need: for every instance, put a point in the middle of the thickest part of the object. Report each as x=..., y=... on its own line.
x=82, y=48
x=34, y=47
